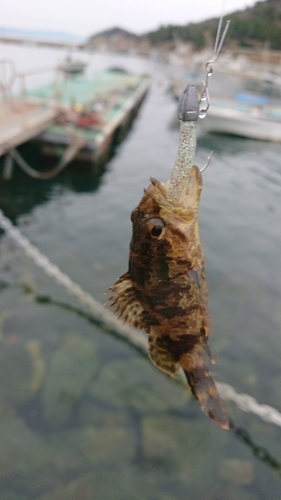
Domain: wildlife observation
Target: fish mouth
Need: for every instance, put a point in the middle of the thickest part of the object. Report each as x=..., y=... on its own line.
x=187, y=198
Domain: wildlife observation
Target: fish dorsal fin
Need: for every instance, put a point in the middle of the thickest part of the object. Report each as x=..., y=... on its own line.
x=127, y=304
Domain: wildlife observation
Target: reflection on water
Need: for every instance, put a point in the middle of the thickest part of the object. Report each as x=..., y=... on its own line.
x=83, y=415
x=22, y=193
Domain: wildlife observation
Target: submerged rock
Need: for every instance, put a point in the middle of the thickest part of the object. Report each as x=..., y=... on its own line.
x=91, y=413
x=136, y=383
x=4, y=315
x=22, y=369
x=237, y=493
x=184, y=449
x=10, y=495
x=6, y=409
x=22, y=452
x=237, y=471
x=33, y=464
x=110, y=484
x=71, y=368
x=91, y=446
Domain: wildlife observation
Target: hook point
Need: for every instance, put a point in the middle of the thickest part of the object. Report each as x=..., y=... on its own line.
x=208, y=162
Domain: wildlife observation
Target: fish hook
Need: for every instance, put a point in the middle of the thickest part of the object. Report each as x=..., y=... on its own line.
x=205, y=97
x=204, y=101
x=189, y=110
x=208, y=162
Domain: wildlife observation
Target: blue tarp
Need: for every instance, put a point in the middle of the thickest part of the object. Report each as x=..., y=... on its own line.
x=258, y=100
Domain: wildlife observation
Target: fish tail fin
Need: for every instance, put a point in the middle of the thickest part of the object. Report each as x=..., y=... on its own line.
x=203, y=387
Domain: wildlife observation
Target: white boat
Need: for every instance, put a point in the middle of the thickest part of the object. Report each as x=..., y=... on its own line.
x=246, y=115
x=72, y=66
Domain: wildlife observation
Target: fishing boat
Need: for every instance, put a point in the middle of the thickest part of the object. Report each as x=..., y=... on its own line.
x=95, y=113
x=72, y=66
x=72, y=118
x=246, y=115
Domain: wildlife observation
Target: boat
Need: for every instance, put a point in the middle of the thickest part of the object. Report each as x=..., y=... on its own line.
x=245, y=115
x=96, y=112
x=74, y=119
x=72, y=66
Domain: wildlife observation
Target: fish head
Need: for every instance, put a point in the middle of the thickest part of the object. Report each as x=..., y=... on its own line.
x=165, y=248
x=165, y=233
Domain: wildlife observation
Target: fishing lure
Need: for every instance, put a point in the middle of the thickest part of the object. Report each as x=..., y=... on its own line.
x=164, y=291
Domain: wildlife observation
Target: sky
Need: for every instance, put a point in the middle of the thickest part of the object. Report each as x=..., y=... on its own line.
x=87, y=17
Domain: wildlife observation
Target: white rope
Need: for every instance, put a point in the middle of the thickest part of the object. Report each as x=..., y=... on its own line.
x=249, y=404
x=243, y=401
x=100, y=313
x=68, y=155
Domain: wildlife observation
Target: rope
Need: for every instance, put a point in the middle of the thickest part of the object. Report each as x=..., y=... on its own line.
x=100, y=313
x=110, y=322
x=8, y=167
x=249, y=404
x=69, y=154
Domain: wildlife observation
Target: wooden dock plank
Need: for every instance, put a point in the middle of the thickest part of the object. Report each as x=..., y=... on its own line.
x=20, y=121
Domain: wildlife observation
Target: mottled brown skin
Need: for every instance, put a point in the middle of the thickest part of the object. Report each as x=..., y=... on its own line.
x=164, y=291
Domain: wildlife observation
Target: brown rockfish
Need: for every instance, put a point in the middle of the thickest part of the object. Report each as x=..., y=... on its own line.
x=164, y=291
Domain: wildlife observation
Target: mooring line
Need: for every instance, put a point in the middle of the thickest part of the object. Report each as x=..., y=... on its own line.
x=245, y=402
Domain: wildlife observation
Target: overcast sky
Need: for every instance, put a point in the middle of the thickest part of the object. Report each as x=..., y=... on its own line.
x=85, y=17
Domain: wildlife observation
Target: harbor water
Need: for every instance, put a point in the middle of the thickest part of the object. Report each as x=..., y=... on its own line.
x=82, y=414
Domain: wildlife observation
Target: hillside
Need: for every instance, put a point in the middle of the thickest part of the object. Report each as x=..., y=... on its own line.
x=252, y=27
x=113, y=32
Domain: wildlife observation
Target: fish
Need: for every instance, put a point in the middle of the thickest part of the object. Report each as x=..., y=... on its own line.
x=164, y=292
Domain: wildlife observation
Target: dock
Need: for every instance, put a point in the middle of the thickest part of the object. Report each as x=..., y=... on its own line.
x=76, y=117
x=21, y=117
x=22, y=120
x=98, y=112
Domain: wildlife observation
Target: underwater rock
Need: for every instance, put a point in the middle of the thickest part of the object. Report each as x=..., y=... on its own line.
x=93, y=445
x=34, y=464
x=181, y=447
x=109, y=444
x=236, y=493
x=21, y=452
x=136, y=383
x=10, y=495
x=22, y=369
x=116, y=483
x=91, y=413
x=237, y=471
x=71, y=368
x=4, y=315
x=6, y=409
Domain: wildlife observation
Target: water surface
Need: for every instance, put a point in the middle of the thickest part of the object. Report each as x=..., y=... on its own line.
x=83, y=415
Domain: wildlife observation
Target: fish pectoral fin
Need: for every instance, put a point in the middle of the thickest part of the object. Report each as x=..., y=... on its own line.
x=126, y=303
x=164, y=360
x=203, y=387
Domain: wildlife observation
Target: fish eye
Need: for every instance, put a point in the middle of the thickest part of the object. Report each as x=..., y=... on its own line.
x=156, y=231
x=155, y=227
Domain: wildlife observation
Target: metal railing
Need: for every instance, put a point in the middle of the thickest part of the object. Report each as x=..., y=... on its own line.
x=10, y=78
